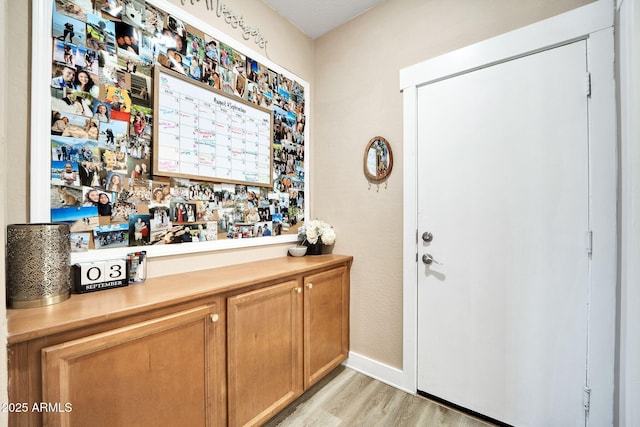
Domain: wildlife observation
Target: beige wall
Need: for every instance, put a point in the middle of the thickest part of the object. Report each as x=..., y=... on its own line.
x=357, y=86
x=3, y=209
x=353, y=72
x=17, y=96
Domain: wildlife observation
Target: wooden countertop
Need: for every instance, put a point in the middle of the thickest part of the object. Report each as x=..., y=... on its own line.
x=86, y=309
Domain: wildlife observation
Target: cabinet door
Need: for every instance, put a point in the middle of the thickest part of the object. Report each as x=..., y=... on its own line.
x=264, y=343
x=158, y=372
x=326, y=323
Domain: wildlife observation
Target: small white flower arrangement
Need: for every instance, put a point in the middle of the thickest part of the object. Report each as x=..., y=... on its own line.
x=315, y=231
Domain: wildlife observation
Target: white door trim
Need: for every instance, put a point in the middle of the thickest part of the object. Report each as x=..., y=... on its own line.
x=593, y=22
x=629, y=366
x=572, y=25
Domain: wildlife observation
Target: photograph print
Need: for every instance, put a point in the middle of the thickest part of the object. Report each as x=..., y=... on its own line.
x=148, y=46
x=183, y=212
x=176, y=25
x=65, y=53
x=87, y=59
x=139, y=230
x=138, y=168
x=112, y=7
x=68, y=30
x=111, y=236
x=101, y=33
x=76, y=9
x=72, y=101
x=154, y=20
x=80, y=242
x=63, y=196
x=65, y=173
x=134, y=13
x=101, y=111
x=226, y=56
x=195, y=43
x=74, y=215
x=73, y=125
x=127, y=38
x=140, y=188
x=140, y=89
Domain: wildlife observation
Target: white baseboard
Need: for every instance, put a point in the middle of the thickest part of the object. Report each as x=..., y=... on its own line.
x=381, y=372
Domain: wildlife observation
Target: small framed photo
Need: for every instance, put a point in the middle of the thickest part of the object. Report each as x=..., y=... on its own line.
x=137, y=267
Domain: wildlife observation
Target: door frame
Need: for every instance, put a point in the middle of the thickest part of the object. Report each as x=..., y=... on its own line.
x=629, y=364
x=594, y=23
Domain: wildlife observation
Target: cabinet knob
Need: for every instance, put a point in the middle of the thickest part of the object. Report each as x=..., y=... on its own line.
x=215, y=318
x=309, y=285
x=298, y=289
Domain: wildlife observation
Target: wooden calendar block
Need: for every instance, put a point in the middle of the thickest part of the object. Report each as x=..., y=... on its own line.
x=99, y=275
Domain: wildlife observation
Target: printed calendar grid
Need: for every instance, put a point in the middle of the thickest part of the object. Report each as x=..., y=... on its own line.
x=205, y=135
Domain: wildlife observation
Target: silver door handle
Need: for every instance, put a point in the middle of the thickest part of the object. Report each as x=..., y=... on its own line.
x=428, y=259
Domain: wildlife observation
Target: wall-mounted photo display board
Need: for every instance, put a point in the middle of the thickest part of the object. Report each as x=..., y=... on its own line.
x=161, y=131
x=205, y=135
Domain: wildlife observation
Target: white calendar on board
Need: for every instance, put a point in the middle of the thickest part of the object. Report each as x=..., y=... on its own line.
x=206, y=135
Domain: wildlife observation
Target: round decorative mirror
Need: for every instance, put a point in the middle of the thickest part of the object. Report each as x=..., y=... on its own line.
x=378, y=159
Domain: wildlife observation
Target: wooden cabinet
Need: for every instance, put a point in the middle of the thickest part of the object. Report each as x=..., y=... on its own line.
x=165, y=367
x=156, y=372
x=224, y=346
x=264, y=347
x=282, y=339
x=326, y=323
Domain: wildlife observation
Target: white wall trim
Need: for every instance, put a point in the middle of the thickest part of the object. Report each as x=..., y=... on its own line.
x=40, y=164
x=381, y=372
x=629, y=316
x=594, y=23
x=409, y=241
x=603, y=182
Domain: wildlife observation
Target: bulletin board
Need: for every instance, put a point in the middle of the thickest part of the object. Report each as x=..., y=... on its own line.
x=102, y=148
x=205, y=135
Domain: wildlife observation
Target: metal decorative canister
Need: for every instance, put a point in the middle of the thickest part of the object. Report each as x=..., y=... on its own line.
x=38, y=270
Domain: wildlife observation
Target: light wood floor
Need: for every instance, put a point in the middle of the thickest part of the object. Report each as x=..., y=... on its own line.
x=348, y=398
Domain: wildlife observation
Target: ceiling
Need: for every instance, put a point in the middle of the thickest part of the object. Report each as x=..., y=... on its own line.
x=317, y=17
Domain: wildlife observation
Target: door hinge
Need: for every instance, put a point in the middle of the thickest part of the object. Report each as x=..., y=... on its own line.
x=586, y=398
x=587, y=81
x=589, y=242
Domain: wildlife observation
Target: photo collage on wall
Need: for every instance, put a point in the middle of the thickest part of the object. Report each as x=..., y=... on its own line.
x=102, y=118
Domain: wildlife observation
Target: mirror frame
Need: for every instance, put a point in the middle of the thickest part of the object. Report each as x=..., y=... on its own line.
x=374, y=177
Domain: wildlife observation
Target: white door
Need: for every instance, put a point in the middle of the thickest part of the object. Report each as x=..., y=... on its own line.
x=503, y=188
